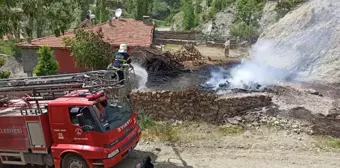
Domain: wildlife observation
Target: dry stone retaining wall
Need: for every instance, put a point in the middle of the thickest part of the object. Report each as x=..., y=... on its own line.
x=186, y=35
x=195, y=105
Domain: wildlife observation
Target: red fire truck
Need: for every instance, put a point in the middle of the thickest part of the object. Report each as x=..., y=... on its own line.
x=79, y=120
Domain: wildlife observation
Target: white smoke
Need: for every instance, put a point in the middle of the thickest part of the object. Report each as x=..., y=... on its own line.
x=141, y=76
x=268, y=64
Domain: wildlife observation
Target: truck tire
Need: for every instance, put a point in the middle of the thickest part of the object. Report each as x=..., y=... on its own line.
x=73, y=161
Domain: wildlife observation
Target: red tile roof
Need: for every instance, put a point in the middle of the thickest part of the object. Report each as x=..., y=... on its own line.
x=129, y=31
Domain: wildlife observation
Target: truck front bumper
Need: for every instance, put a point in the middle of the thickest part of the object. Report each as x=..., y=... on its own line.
x=127, y=146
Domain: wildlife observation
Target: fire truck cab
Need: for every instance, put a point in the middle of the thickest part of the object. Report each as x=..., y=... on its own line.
x=80, y=129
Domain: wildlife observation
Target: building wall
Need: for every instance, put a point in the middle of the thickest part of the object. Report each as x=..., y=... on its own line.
x=63, y=56
x=66, y=61
x=29, y=59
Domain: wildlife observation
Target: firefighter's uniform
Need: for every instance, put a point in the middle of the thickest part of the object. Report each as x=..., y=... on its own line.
x=121, y=57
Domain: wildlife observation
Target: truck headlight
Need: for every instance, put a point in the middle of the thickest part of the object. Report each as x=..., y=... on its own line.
x=112, y=154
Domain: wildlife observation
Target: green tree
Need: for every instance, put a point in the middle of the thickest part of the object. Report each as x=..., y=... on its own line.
x=104, y=9
x=244, y=31
x=249, y=11
x=284, y=6
x=129, y=7
x=160, y=10
x=60, y=16
x=4, y=74
x=89, y=49
x=9, y=18
x=46, y=65
x=41, y=17
x=143, y=7
x=198, y=10
x=209, y=2
x=189, y=14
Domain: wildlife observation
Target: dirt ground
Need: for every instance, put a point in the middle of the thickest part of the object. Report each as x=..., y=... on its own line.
x=218, y=53
x=213, y=52
x=202, y=146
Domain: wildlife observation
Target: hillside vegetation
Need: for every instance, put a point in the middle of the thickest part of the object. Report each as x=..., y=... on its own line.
x=29, y=19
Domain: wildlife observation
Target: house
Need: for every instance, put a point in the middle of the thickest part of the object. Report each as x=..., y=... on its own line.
x=132, y=32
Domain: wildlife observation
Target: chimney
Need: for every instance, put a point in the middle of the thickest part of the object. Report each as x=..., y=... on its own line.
x=147, y=20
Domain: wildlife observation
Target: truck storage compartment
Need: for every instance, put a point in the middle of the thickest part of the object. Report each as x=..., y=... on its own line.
x=13, y=133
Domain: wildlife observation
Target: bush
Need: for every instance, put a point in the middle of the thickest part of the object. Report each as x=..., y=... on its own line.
x=4, y=74
x=244, y=31
x=89, y=49
x=285, y=6
x=145, y=122
x=7, y=47
x=189, y=15
x=249, y=11
x=46, y=65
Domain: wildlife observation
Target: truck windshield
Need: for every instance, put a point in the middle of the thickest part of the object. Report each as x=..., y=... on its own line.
x=112, y=116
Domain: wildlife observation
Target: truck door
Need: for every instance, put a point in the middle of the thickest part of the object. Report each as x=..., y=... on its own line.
x=77, y=134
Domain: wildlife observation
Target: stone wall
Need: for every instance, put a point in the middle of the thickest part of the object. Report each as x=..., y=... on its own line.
x=195, y=105
x=29, y=58
x=185, y=35
x=173, y=41
x=216, y=45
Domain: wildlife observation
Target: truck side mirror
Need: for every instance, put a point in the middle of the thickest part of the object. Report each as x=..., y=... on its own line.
x=86, y=128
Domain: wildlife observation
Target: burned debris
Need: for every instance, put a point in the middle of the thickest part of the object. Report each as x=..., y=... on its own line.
x=227, y=86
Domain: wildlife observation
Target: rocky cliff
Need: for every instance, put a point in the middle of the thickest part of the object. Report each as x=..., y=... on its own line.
x=311, y=33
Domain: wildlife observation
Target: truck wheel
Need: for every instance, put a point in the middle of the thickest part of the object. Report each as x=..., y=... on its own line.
x=73, y=161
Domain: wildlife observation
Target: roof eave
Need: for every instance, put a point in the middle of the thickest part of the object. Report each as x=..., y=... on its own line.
x=37, y=46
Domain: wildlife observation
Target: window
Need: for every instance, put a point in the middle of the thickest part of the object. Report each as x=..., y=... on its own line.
x=74, y=111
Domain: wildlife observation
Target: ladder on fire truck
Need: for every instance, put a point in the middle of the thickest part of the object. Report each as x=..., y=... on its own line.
x=39, y=89
x=53, y=86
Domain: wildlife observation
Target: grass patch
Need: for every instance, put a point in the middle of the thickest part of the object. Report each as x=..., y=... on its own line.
x=158, y=130
x=161, y=132
x=231, y=130
x=172, y=47
x=145, y=122
x=327, y=142
x=160, y=23
x=334, y=143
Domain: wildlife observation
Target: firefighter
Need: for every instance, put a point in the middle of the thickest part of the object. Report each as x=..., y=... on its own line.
x=121, y=57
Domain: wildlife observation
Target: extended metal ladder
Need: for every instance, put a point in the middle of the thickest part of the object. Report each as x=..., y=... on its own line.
x=54, y=86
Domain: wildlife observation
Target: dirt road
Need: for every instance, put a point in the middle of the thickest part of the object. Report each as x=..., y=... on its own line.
x=170, y=157
x=261, y=148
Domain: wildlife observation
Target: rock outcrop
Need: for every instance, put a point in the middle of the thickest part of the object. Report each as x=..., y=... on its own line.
x=12, y=65
x=312, y=32
x=219, y=25
x=269, y=15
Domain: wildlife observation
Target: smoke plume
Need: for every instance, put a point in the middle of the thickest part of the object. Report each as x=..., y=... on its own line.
x=268, y=64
